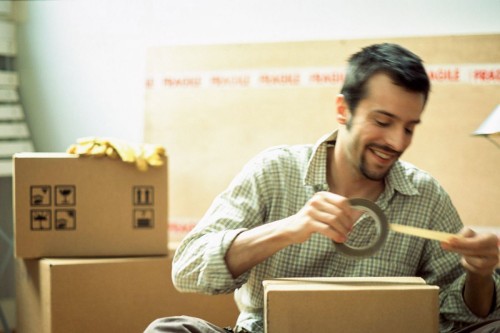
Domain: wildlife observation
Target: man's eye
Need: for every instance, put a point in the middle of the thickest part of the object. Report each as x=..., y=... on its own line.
x=381, y=123
x=409, y=131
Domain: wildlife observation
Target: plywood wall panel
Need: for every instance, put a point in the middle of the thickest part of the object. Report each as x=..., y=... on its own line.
x=211, y=132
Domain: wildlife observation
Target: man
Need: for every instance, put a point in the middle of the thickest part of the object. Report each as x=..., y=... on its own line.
x=281, y=216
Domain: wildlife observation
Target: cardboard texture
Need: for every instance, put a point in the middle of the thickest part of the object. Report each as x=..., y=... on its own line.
x=70, y=206
x=107, y=295
x=357, y=305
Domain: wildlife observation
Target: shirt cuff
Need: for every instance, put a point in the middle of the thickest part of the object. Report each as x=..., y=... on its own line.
x=217, y=274
x=455, y=300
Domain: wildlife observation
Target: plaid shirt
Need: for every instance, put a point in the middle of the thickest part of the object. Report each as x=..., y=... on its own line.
x=276, y=184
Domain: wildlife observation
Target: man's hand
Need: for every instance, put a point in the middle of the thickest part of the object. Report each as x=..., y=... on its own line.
x=326, y=213
x=479, y=258
x=479, y=251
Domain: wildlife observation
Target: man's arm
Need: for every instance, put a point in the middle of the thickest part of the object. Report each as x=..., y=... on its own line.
x=253, y=246
x=479, y=294
x=325, y=213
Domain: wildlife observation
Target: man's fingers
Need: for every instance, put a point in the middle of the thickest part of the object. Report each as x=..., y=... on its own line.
x=331, y=233
x=477, y=245
x=333, y=210
x=467, y=232
x=332, y=221
x=480, y=252
x=480, y=265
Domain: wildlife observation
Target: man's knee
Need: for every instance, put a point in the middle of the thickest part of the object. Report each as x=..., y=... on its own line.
x=490, y=326
x=493, y=327
x=182, y=324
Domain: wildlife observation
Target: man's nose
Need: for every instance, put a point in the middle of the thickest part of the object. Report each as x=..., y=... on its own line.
x=397, y=139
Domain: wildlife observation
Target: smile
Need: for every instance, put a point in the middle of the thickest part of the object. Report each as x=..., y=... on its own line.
x=382, y=155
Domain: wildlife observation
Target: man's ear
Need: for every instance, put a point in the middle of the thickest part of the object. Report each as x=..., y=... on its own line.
x=342, y=110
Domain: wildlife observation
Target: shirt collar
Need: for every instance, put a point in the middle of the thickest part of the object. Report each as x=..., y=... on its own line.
x=316, y=170
x=397, y=180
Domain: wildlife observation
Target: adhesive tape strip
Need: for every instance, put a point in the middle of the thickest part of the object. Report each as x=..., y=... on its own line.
x=381, y=227
x=423, y=233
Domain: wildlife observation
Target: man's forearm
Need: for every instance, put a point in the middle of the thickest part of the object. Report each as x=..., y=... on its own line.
x=479, y=294
x=253, y=246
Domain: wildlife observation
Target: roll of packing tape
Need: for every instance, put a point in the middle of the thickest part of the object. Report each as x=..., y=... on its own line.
x=381, y=227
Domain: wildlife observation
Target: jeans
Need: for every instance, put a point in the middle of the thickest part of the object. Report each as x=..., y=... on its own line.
x=186, y=324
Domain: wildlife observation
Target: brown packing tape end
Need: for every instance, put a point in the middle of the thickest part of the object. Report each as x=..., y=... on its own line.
x=423, y=233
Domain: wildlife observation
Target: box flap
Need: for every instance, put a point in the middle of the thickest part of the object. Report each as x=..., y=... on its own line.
x=356, y=281
x=44, y=155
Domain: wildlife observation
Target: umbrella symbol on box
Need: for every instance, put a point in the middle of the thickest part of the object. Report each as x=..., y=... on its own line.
x=40, y=220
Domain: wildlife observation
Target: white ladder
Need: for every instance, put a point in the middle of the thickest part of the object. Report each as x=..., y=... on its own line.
x=14, y=133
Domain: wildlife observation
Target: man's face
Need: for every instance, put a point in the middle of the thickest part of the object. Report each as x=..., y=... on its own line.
x=382, y=127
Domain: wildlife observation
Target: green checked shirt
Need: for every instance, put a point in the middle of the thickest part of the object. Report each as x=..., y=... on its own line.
x=276, y=184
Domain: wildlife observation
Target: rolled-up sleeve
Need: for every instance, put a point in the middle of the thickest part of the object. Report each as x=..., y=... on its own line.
x=454, y=309
x=199, y=263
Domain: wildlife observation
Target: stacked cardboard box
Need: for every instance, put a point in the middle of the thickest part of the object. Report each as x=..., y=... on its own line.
x=107, y=295
x=70, y=206
x=91, y=248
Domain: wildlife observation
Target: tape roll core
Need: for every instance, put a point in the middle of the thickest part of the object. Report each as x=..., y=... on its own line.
x=381, y=226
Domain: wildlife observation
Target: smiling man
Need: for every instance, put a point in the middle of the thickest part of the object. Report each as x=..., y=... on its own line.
x=282, y=214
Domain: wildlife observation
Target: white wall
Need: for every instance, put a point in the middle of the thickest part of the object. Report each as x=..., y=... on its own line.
x=81, y=62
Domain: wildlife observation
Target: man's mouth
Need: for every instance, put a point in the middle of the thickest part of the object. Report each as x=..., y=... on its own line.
x=381, y=154
x=384, y=153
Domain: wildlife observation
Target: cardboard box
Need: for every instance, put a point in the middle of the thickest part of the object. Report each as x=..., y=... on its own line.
x=107, y=295
x=354, y=305
x=70, y=206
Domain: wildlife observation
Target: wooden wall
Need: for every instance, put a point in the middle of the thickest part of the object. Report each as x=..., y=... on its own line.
x=216, y=106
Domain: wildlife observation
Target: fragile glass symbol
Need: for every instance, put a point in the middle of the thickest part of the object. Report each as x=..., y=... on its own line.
x=65, y=195
x=65, y=192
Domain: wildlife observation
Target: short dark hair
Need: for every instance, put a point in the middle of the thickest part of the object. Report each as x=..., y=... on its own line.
x=403, y=67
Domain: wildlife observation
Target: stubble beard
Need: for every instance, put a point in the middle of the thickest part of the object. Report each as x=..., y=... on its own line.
x=372, y=175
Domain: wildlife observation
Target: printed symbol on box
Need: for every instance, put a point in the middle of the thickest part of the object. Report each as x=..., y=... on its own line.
x=40, y=195
x=65, y=219
x=65, y=195
x=143, y=218
x=41, y=219
x=143, y=195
